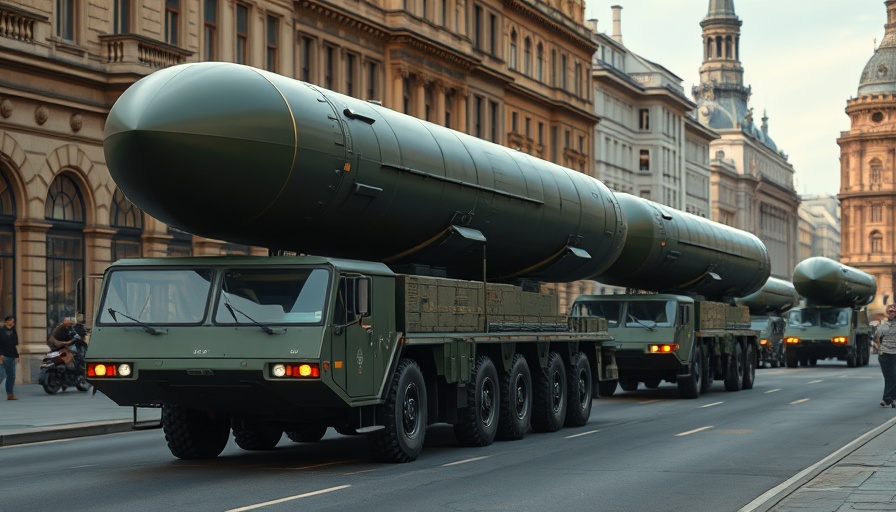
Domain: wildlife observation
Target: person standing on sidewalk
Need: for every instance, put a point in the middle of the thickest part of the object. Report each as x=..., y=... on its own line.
x=885, y=346
x=9, y=354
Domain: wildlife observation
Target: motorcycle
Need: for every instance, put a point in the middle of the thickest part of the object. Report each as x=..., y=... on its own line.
x=63, y=368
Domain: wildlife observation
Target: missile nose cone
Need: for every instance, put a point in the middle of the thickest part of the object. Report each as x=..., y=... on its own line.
x=199, y=146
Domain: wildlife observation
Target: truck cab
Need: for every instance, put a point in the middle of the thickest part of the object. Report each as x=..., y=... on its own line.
x=827, y=332
x=771, y=339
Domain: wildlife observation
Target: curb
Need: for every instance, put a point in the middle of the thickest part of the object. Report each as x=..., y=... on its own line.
x=74, y=430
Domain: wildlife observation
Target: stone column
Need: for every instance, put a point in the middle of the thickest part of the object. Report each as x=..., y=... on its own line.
x=420, y=97
x=398, y=75
x=31, y=321
x=441, y=92
x=461, y=109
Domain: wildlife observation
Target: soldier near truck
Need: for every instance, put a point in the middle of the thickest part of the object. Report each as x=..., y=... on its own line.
x=429, y=238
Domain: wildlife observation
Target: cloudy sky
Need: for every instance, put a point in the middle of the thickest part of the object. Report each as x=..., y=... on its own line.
x=802, y=58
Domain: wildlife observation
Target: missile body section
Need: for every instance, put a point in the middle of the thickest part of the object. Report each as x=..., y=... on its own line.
x=238, y=154
x=775, y=296
x=668, y=250
x=826, y=282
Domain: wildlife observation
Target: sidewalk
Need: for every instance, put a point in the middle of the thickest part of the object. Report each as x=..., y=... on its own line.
x=859, y=476
x=37, y=416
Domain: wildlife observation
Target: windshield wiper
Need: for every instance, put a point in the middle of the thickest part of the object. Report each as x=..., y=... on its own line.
x=145, y=327
x=264, y=328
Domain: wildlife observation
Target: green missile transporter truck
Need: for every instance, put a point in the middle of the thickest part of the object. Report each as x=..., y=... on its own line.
x=834, y=322
x=767, y=309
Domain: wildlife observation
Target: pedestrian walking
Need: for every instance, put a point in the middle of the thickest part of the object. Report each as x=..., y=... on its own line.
x=885, y=346
x=9, y=354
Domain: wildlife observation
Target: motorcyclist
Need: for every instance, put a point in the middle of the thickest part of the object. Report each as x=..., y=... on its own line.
x=64, y=336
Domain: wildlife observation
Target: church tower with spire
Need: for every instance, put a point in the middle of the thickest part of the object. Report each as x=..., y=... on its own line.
x=751, y=180
x=868, y=170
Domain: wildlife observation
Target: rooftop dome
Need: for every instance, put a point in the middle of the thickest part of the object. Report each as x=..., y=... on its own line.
x=879, y=75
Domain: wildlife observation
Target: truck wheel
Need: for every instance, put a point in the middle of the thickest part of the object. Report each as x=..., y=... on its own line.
x=256, y=438
x=749, y=366
x=404, y=415
x=709, y=372
x=792, y=359
x=851, y=358
x=307, y=434
x=477, y=423
x=549, y=411
x=689, y=387
x=628, y=384
x=734, y=374
x=606, y=387
x=578, y=387
x=193, y=434
x=516, y=400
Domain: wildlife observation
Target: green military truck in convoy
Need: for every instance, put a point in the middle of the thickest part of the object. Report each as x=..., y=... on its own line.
x=689, y=333
x=834, y=322
x=414, y=296
x=767, y=308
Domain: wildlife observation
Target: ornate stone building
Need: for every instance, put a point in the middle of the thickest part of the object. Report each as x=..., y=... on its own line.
x=868, y=169
x=821, y=216
x=752, y=181
x=514, y=72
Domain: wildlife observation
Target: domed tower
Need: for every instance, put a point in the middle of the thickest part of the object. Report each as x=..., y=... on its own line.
x=868, y=169
x=751, y=181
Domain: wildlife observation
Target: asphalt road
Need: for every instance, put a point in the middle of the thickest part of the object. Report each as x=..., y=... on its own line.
x=644, y=451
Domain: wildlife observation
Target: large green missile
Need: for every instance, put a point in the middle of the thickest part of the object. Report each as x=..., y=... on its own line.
x=826, y=282
x=775, y=296
x=669, y=250
x=238, y=154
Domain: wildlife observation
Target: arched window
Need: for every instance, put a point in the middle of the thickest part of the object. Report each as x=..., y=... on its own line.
x=128, y=220
x=708, y=49
x=728, y=50
x=512, y=60
x=876, y=171
x=877, y=242
x=7, y=247
x=64, y=209
x=539, y=62
x=527, y=57
x=719, y=47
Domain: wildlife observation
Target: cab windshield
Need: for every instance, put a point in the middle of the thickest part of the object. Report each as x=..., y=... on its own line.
x=609, y=310
x=272, y=296
x=156, y=296
x=827, y=318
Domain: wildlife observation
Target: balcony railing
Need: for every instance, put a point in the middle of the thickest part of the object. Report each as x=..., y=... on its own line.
x=136, y=49
x=18, y=24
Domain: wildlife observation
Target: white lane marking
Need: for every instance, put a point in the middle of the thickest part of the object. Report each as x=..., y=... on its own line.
x=814, y=381
x=689, y=432
x=712, y=404
x=583, y=434
x=290, y=498
x=772, y=391
x=474, y=459
x=801, y=400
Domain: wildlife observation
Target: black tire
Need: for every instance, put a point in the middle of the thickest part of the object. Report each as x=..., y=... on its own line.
x=749, y=365
x=256, y=439
x=851, y=358
x=51, y=383
x=477, y=423
x=82, y=384
x=813, y=361
x=306, y=434
x=652, y=383
x=193, y=434
x=516, y=400
x=804, y=360
x=549, y=410
x=792, y=359
x=734, y=374
x=404, y=415
x=606, y=387
x=628, y=384
x=689, y=387
x=346, y=430
x=578, y=386
x=709, y=373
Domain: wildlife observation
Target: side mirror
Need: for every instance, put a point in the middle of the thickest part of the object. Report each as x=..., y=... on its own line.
x=359, y=302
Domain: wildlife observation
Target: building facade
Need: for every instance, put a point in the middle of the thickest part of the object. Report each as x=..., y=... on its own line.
x=514, y=72
x=821, y=215
x=752, y=181
x=868, y=170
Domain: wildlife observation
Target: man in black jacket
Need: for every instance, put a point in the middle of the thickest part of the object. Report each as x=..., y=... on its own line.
x=9, y=354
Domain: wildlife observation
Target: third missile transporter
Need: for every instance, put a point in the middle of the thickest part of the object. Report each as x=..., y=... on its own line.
x=834, y=322
x=767, y=307
x=414, y=297
x=690, y=334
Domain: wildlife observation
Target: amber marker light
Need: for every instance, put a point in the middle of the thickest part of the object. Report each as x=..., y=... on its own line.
x=109, y=370
x=664, y=348
x=295, y=371
x=763, y=342
x=791, y=341
x=840, y=340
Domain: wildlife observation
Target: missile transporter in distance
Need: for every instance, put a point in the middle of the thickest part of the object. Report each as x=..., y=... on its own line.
x=767, y=308
x=413, y=298
x=689, y=334
x=834, y=322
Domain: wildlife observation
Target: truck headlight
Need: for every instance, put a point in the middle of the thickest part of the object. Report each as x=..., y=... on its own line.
x=792, y=341
x=664, y=348
x=295, y=370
